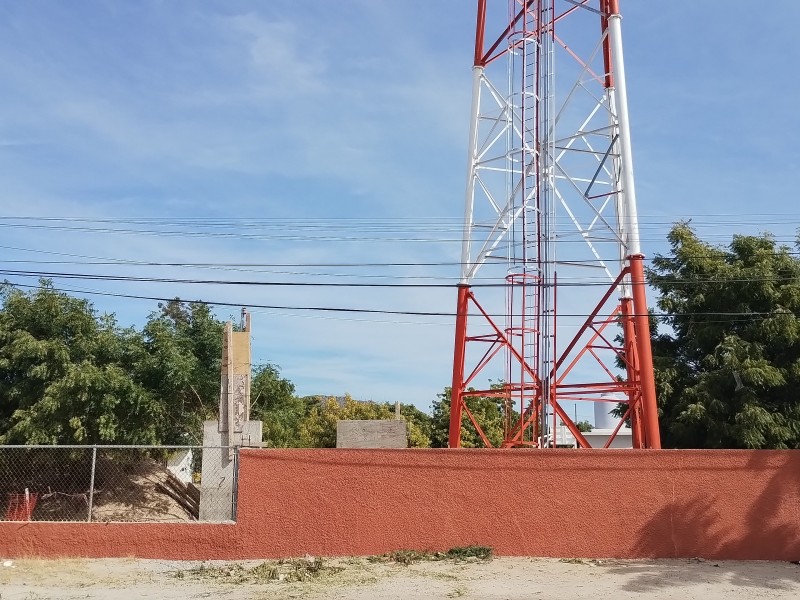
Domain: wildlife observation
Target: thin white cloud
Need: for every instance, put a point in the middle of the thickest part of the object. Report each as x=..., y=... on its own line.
x=288, y=65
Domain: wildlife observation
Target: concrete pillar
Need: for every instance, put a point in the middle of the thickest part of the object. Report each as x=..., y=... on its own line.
x=218, y=469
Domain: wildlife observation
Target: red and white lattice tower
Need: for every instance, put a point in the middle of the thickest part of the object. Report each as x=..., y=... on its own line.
x=551, y=301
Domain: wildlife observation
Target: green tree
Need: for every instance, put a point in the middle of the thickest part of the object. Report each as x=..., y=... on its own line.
x=420, y=425
x=71, y=375
x=61, y=379
x=488, y=412
x=179, y=362
x=275, y=405
x=727, y=356
x=269, y=391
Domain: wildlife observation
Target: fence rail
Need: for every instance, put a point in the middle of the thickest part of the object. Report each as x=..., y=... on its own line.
x=102, y=483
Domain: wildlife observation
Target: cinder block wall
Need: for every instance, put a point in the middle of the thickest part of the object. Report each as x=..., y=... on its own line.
x=564, y=503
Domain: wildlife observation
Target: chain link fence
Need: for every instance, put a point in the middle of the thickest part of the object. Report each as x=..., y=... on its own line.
x=118, y=483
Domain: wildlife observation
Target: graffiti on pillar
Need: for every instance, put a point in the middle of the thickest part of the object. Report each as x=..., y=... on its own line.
x=237, y=402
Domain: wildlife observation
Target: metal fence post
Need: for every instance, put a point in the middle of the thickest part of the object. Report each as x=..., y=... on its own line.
x=235, y=490
x=91, y=483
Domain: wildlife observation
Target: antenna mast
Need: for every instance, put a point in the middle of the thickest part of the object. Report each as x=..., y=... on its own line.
x=550, y=212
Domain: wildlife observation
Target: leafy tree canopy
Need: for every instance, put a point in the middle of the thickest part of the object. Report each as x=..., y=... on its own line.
x=274, y=404
x=62, y=375
x=70, y=375
x=488, y=412
x=727, y=354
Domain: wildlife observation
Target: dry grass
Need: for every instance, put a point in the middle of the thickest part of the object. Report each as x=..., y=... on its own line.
x=287, y=571
x=330, y=571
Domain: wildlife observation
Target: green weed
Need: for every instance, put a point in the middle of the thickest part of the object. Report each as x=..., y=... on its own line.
x=409, y=557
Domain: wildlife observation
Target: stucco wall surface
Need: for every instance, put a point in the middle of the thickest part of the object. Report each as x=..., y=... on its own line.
x=587, y=503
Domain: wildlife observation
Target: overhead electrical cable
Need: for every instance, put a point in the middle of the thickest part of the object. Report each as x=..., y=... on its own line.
x=348, y=284
x=740, y=316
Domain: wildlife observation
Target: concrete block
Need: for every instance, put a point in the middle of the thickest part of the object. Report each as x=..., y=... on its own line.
x=370, y=433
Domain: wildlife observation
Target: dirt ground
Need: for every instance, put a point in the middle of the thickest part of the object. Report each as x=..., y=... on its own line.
x=365, y=579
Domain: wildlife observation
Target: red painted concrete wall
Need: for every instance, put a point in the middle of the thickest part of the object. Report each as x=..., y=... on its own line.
x=588, y=503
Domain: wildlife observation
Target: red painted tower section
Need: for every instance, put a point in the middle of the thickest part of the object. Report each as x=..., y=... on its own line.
x=552, y=300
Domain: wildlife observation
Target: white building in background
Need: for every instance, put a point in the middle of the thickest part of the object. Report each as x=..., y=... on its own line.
x=604, y=425
x=597, y=438
x=603, y=429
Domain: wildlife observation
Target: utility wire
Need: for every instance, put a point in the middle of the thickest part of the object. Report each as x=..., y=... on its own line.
x=743, y=316
x=698, y=219
x=100, y=260
x=322, y=233
x=92, y=277
x=669, y=280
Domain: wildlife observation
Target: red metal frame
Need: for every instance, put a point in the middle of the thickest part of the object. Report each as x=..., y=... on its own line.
x=644, y=353
x=638, y=386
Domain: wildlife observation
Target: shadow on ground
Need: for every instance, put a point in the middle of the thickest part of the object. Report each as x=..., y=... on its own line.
x=651, y=576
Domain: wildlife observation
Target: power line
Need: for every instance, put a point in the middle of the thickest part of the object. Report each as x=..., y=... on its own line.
x=342, y=284
x=304, y=231
x=744, y=316
x=127, y=278
x=101, y=260
x=697, y=219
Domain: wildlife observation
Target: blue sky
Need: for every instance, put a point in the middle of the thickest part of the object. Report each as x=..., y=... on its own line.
x=336, y=132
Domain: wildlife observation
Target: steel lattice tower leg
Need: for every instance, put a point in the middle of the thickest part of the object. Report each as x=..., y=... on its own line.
x=550, y=213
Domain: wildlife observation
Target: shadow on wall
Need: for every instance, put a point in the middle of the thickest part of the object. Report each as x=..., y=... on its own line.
x=710, y=523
